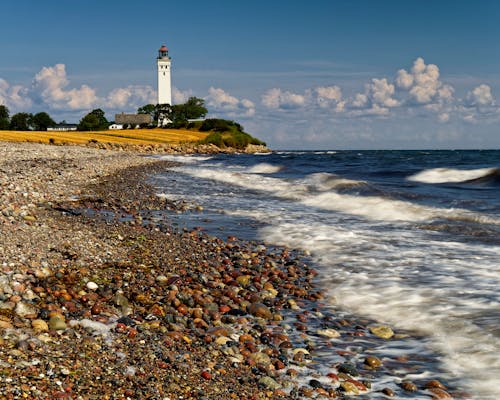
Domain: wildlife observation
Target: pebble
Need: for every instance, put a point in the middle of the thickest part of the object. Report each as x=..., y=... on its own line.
x=260, y=310
x=329, y=333
x=57, y=323
x=39, y=325
x=269, y=383
x=382, y=331
x=373, y=362
x=92, y=285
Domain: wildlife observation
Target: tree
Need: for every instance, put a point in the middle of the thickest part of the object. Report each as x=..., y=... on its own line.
x=21, y=121
x=93, y=121
x=147, y=109
x=42, y=121
x=4, y=117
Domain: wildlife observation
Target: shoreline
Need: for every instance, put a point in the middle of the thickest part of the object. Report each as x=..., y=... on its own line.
x=123, y=307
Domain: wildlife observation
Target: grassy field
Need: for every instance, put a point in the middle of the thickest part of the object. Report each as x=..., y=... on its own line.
x=129, y=136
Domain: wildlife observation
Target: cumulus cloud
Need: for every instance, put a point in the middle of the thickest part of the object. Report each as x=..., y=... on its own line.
x=130, y=97
x=481, y=96
x=16, y=97
x=276, y=98
x=221, y=101
x=423, y=83
x=180, y=96
x=51, y=83
x=329, y=97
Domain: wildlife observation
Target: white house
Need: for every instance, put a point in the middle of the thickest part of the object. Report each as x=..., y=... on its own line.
x=115, y=126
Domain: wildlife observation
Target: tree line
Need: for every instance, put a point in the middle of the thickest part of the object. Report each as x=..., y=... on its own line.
x=170, y=116
x=24, y=121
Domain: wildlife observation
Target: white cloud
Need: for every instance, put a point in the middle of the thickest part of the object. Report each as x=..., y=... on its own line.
x=444, y=117
x=51, y=82
x=276, y=98
x=360, y=100
x=381, y=91
x=423, y=83
x=481, y=96
x=130, y=97
x=16, y=97
x=404, y=79
x=222, y=102
x=179, y=96
x=329, y=97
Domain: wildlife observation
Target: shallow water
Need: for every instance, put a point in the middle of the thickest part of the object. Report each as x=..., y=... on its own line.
x=405, y=237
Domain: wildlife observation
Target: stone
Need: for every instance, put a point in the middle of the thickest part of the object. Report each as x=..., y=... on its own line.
x=57, y=323
x=92, y=285
x=409, y=386
x=25, y=310
x=260, y=310
x=329, y=333
x=438, y=393
x=269, y=383
x=349, y=369
x=349, y=387
x=373, y=362
x=382, y=331
x=39, y=325
x=260, y=358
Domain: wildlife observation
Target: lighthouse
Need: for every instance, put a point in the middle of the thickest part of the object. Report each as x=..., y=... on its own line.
x=164, y=87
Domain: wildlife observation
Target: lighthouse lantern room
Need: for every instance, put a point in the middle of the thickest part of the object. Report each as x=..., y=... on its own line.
x=163, y=62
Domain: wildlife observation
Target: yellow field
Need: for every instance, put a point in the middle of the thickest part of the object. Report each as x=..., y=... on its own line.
x=129, y=136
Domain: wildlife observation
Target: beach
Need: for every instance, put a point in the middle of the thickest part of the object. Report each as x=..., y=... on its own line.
x=99, y=300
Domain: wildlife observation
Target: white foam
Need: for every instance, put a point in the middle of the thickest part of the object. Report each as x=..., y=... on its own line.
x=264, y=168
x=370, y=207
x=449, y=175
x=436, y=288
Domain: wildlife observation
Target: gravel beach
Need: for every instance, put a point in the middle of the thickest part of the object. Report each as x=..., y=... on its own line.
x=99, y=301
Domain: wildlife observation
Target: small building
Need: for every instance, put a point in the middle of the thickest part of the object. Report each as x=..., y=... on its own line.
x=63, y=127
x=115, y=126
x=135, y=120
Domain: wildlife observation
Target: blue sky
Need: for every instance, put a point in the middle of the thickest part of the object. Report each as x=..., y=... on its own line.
x=299, y=75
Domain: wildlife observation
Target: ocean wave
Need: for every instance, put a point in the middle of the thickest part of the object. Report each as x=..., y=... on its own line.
x=265, y=168
x=450, y=175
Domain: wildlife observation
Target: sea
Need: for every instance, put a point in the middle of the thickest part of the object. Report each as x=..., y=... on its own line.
x=406, y=238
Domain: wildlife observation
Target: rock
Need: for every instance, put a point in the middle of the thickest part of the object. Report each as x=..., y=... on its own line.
x=260, y=310
x=25, y=310
x=269, y=383
x=349, y=387
x=260, y=358
x=5, y=324
x=57, y=323
x=440, y=394
x=92, y=285
x=349, y=369
x=373, y=362
x=435, y=384
x=409, y=386
x=329, y=333
x=382, y=331
x=39, y=325
x=388, y=392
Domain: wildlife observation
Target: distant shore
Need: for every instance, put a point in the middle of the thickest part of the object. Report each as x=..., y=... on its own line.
x=155, y=141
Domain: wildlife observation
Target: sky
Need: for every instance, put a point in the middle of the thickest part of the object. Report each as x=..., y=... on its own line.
x=322, y=74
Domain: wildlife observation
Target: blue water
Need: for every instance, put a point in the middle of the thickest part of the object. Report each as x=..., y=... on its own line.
x=409, y=238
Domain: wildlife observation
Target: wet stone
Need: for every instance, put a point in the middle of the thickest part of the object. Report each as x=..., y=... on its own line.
x=382, y=331
x=373, y=362
x=348, y=369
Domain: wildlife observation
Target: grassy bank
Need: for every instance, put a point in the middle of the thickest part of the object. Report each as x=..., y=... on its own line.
x=129, y=136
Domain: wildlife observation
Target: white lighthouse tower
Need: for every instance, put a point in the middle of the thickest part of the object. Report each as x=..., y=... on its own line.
x=164, y=85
